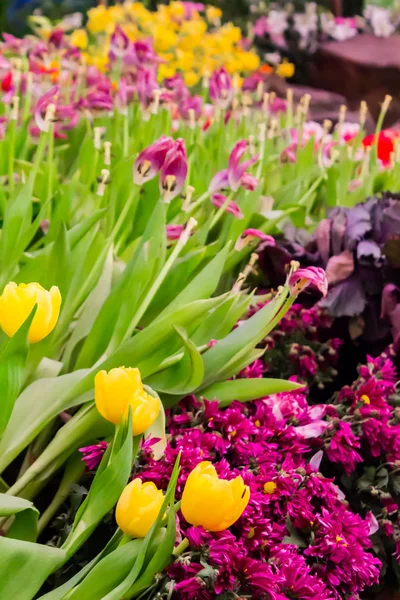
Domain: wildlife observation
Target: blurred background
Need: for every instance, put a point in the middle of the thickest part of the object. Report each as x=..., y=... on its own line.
x=13, y=13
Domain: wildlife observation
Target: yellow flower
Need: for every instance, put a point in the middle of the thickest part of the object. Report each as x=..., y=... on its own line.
x=164, y=39
x=185, y=60
x=213, y=13
x=269, y=487
x=138, y=507
x=249, y=61
x=79, y=39
x=164, y=72
x=191, y=78
x=99, y=18
x=213, y=503
x=17, y=302
x=285, y=69
x=117, y=390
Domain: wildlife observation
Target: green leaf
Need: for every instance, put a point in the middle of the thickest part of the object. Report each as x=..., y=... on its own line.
x=24, y=526
x=157, y=429
x=107, y=486
x=186, y=375
x=238, y=343
x=12, y=368
x=245, y=390
x=40, y=402
x=121, y=590
x=25, y=566
x=111, y=570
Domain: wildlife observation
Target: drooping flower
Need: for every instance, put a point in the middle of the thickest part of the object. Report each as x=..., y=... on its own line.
x=174, y=232
x=237, y=169
x=232, y=208
x=138, y=507
x=119, y=389
x=174, y=171
x=17, y=302
x=251, y=235
x=300, y=279
x=151, y=159
x=213, y=503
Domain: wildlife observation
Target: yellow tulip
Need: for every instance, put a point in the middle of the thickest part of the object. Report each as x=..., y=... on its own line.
x=138, y=507
x=213, y=503
x=17, y=302
x=79, y=39
x=117, y=390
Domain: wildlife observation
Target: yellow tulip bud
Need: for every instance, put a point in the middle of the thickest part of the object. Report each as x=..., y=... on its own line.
x=17, y=302
x=138, y=507
x=213, y=503
x=117, y=390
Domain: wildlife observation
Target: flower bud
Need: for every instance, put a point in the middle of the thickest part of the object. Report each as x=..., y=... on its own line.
x=17, y=302
x=119, y=389
x=138, y=507
x=210, y=502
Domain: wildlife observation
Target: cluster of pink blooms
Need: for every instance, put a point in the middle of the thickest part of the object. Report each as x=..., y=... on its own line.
x=300, y=536
x=298, y=347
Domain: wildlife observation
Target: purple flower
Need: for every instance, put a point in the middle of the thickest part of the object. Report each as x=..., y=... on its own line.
x=221, y=88
x=119, y=43
x=174, y=171
x=232, y=208
x=302, y=278
x=140, y=54
x=145, y=86
x=236, y=169
x=174, y=232
x=151, y=159
x=92, y=455
x=342, y=447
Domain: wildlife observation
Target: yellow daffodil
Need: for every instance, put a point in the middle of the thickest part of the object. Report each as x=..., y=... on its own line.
x=17, y=302
x=138, y=508
x=79, y=39
x=210, y=502
x=285, y=69
x=99, y=18
x=191, y=78
x=119, y=389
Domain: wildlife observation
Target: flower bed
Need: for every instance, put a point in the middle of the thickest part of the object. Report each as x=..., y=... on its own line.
x=167, y=431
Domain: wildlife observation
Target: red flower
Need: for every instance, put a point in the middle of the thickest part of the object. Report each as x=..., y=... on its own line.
x=385, y=144
x=7, y=82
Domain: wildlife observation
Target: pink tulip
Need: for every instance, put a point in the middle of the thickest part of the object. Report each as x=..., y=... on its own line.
x=221, y=88
x=302, y=278
x=174, y=171
x=232, y=208
x=151, y=159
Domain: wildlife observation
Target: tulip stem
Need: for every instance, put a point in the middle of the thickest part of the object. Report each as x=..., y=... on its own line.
x=181, y=548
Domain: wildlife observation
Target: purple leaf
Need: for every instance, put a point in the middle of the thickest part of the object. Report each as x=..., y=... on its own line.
x=358, y=224
x=340, y=267
x=346, y=299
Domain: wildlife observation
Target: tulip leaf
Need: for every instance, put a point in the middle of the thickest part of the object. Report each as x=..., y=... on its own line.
x=12, y=368
x=110, y=479
x=123, y=588
x=157, y=429
x=186, y=375
x=24, y=526
x=245, y=390
x=25, y=566
x=40, y=402
x=219, y=358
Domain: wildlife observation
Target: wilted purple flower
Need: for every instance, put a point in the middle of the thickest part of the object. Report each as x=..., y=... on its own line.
x=56, y=38
x=236, y=169
x=188, y=104
x=141, y=54
x=221, y=88
x=302, y=278
x=146, y=85
x=92, y=455
x=119, y=43
x=151, y=159
x=174, y=232
x=250, y=235
x=174, y=171
x=232, y=208
x=44, y=101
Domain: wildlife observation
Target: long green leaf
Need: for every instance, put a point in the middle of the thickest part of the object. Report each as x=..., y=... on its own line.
x=244, y=390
